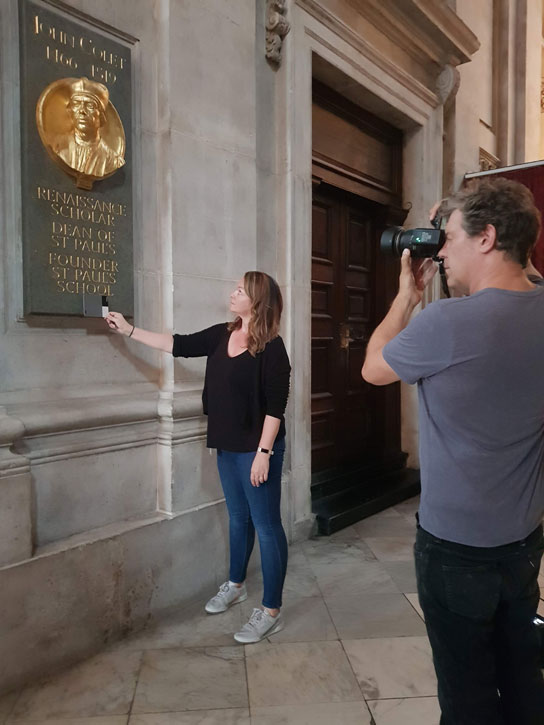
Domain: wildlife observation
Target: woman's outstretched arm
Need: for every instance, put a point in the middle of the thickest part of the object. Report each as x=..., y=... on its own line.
x=158, y=340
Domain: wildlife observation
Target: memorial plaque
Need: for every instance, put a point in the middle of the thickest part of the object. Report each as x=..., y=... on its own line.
x=76, y=158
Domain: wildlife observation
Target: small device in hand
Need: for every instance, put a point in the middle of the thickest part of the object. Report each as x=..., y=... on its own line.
x=95, y=305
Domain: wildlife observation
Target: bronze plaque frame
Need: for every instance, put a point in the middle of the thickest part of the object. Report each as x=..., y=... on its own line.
x=77, y=229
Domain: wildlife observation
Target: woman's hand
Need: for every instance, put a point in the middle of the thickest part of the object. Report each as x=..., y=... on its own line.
x=118, y=324
x=259, y=469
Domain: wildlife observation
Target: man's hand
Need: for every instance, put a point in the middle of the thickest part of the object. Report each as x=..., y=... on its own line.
x=434, y=209
x=415, y=275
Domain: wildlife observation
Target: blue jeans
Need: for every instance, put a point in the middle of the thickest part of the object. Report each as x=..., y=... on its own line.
x=251, y=508
x=479, y=605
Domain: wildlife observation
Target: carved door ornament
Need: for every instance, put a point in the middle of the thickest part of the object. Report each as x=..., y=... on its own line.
x=81, y=129
x=277, y=27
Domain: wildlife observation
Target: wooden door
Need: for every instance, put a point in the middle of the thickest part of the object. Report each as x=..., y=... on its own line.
x=357, y=172
x=347, y=413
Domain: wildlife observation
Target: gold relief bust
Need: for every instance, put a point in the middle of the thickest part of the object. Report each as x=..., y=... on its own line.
x=81, y=129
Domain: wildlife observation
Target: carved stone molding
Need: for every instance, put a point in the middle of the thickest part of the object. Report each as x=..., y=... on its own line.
x=488, y=161
x=277, y=27
x=11, y=429
x=62, y=430
x=447, y=84
x=15, y=494
x=451, y=42
x=428, y=30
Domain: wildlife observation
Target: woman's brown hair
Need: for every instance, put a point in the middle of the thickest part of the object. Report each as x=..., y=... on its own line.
x=266, y=309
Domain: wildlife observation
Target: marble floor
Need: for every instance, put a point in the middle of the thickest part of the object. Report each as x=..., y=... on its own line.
x=353, y=652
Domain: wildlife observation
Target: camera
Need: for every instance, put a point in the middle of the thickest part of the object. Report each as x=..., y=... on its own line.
x=422, y=243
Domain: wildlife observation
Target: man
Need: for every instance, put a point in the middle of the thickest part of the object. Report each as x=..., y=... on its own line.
x=478, y=361
x=84, y=150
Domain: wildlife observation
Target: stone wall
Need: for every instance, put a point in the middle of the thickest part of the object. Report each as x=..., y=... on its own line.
x=107, y=490
x=498, y=104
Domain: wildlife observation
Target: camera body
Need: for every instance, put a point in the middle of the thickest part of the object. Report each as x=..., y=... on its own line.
x=421, y=242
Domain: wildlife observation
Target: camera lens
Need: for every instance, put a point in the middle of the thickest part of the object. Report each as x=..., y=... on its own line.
x=422, y=243
x=390, y=239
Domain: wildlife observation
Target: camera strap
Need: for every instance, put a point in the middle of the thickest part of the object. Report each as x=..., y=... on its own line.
x=443, y=280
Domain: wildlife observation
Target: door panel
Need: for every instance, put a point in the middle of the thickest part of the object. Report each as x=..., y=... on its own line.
x=325, y=221
x=344, y=407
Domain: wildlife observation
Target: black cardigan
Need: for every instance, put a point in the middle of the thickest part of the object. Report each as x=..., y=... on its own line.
x=239, y=391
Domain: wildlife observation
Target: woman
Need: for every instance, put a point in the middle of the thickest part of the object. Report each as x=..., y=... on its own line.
x=245, y=393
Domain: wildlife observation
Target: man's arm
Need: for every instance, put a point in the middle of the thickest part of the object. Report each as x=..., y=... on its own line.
x=411, y=285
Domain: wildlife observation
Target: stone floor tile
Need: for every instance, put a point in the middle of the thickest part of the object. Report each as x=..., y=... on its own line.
x=300, y=673
x=173, y=680
x=374, y=615
x=343, y=536
x=296, y=554
x=408, y=508
x=237, y=716
x=103, y=685
x=410, y=711
x=299, y=582
x=392, y=548
x=339, y=713
x=378, y=525
x=191, y=627
x=403, y=573
x=114, y=720
x=324, y=551
x=306, y=620
x=386, y=513
x=414, y=601
x=393, y=667
x=350, y=577
x=7, y=703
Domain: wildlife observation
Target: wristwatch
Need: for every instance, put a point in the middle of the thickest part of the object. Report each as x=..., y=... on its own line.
x=265, y=450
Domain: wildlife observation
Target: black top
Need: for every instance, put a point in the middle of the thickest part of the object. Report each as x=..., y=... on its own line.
x=239, y=391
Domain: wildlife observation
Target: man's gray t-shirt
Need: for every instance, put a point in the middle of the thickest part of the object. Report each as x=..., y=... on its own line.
x=479, y=365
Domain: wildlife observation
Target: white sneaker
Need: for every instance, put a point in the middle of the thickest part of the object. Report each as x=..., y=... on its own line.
x=227, y=595
x=260, y=625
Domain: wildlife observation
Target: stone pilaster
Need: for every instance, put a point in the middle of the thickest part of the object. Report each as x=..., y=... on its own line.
x=15, y=495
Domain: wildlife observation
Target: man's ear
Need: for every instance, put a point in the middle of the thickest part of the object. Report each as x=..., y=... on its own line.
x=488, y=239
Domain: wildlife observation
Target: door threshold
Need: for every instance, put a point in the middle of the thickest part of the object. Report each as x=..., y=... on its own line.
x=365, y=498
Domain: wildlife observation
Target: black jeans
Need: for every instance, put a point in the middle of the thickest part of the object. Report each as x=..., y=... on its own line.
x=479, y=606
